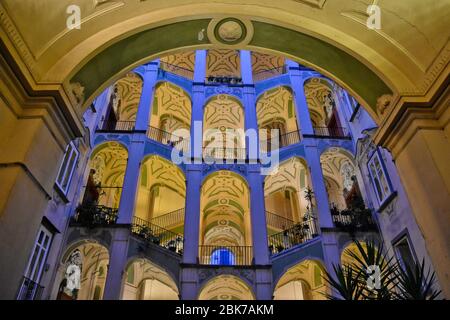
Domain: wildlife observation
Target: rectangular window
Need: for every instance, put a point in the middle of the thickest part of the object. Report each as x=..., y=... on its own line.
x=380, y=179
x=404, y=253
x=67, y=168
x=30, y=288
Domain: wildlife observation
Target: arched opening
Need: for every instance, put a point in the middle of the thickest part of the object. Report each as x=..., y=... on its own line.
x=290, y=215
x=341, y=178
x=103, y=188
x=225, y=229
x=223, y=128
x=85, y=269
x=226, y=287
x=120, y=115
x=170, y=121
x=161, y=196
x=322, y=107
x=143, y=280
x=304, y=281
x=277, y=119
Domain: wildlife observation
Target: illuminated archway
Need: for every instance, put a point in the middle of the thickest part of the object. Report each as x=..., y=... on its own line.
x=226, y=287
x=146, y=281
x=85, y=268
x=225, y=226
x=107, y=167
x=303, y=281
x=161, y=194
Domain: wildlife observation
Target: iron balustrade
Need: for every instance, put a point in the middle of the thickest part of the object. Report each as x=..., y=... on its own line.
x=184, y=72
x=289, y=238
x=353, y=220
x=167, y=138
x=332, y=132
x=169, y=220
x=92, y=215
x=29, y=290
x=283, y=140
x=157, y=235
x=276, y=221
x=220, y=80
x=224, y=153
x=226, y=255
x=112, y=126
x=269, y=73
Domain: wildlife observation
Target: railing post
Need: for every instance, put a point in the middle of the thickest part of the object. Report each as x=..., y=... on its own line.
x=143, y=114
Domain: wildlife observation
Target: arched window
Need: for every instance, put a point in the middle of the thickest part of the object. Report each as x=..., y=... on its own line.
x=223, y=256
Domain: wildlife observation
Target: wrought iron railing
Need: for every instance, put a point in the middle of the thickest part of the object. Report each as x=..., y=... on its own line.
x=220, y=80
x=167, y=138
x=157, y=235
x=276, y=221
x=29, y=290
x=298, y=234
x=224, y=153
x=169, y=220
x=353, y=220
x=226, y=255
x=184, y=72
x=332, y=132
x=92, y=215
x=283, y=140
x=269, y=73
x=112, y=126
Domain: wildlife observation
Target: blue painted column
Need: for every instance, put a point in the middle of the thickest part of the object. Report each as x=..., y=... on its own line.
x=192, y=213
x=117, y=263
x=318, y=183
x=249, y=101
x=198, y=102
x=297, y=84
x=130, y=183
x=258, y=215
x=150, y=76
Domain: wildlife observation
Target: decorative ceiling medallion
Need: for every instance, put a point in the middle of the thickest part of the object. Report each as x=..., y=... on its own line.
x=230, y=31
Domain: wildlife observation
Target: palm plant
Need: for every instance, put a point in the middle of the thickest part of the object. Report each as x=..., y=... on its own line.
x=346, y=284
x=394, y=281
x=415, y=284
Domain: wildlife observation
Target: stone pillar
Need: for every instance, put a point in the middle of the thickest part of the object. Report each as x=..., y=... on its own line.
x=258, y=215
x=331, y=254
x=298, y=90
x=198, y=102
x=130, y=183
x=189, y=284
x=263, y=288
x=192, y=214
x=148, y=88
x=318, y=184
x=117, y=263
x=246, y=67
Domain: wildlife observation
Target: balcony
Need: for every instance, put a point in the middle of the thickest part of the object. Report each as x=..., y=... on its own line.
x=353, y=220
x=331, y=133
x=283, y=140
x=224, y=153
x=277, y=222
x=169, y=220
x=180, y=71
x=167, y=138
x=289, y=238
x=157, y=235
x=226, y=255
x=92, y=215
x=29, y=290
x=223, y=80
x=269, y=73
x=116, y=126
